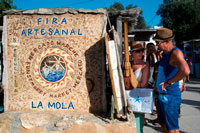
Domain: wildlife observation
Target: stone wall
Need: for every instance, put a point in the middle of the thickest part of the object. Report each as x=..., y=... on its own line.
x=54, y=60
x=33, y=122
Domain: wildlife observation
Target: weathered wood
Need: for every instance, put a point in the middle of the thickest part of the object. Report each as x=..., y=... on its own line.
x=110, y=71
x=113, y=63
x=119, y=32
x=122, y=86
x=128, y=69
x=127, y=63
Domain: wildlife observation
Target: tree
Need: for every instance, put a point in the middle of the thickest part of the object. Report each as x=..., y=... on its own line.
x=182, y=17
x=141, y=24
x=116, y=7
x=5, y=5
x=129, y=6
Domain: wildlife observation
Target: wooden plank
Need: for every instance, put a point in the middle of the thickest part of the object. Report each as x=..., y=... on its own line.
x=110, y=68
x=122, y=86
x=114, y=75
x=119, y=33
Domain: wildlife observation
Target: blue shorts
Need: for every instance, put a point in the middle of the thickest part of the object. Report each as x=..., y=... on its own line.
x=168, y=110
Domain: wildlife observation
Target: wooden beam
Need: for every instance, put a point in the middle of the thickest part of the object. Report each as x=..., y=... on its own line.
x=127, y=63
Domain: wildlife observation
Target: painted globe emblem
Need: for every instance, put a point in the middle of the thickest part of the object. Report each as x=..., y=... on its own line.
x=52, y=68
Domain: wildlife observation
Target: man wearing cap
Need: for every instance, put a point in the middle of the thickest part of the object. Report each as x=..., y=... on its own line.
x=171, y=69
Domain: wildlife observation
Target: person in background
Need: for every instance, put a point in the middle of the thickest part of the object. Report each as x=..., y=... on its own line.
x=153, y=57
x=172, y=68
x=141, y=71
x=182, y=89
x=151, y=60
x=189, y=61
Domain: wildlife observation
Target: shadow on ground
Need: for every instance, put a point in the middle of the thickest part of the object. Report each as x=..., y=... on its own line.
x=195, y=104
x=182, y=132
x=154, y=127
x=194, y=89
x=157, y=128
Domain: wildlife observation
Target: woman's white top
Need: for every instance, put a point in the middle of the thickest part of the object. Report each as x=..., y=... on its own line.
x=138, y=74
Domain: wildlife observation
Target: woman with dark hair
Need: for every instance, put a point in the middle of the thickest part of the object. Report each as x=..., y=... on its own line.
x=153, y=58
x=151, y=61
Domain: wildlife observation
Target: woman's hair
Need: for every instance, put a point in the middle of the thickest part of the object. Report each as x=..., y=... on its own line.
x=151, y=48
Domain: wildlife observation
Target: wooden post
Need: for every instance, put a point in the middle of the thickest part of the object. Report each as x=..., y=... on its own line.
x=127, y=64
x=128, y=71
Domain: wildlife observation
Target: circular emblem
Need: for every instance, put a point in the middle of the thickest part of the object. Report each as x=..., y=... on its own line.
x=53, y=68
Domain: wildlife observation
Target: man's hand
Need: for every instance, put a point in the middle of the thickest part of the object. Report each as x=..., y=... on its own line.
x=182, y=87
x=164, y=86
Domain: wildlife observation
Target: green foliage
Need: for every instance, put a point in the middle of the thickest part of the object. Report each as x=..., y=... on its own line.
x=129, y=7
x=182, y=17
x=5, y=5
x=116, y=7
x=141, y=23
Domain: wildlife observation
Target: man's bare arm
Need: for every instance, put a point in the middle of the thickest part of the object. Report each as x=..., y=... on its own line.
x=177, y=60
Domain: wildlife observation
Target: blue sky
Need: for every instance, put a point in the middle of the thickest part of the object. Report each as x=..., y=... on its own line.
x=149, y=7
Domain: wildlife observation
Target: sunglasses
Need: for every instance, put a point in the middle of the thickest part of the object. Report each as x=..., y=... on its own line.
x=158, y=43
x=140, y=50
